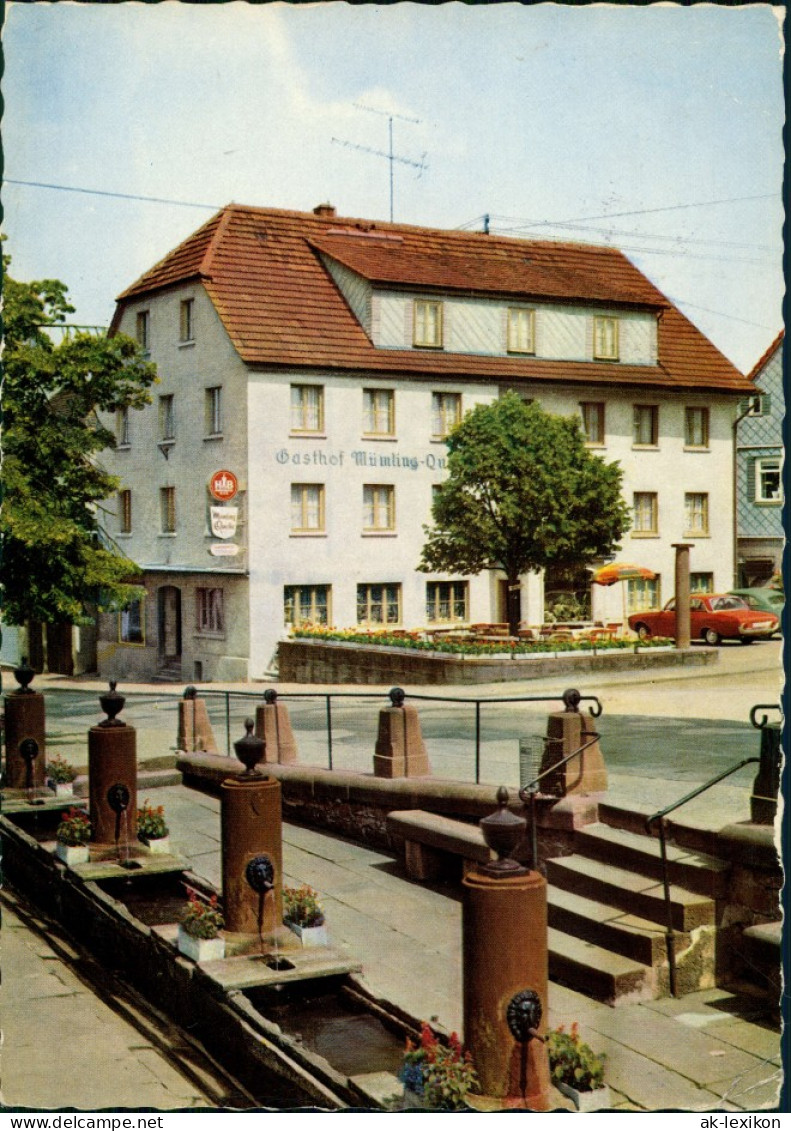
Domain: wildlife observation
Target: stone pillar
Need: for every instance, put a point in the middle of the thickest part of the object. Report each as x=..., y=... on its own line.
x=567, y=731
x=683, y=632
x=25, y=718
x=195, y=731
x=504, y=952
x=273, y=725
x=251, y=824
x=400, y=751
x=112, y=760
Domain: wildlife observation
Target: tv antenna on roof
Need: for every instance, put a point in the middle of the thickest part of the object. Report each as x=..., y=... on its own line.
x=391, y=156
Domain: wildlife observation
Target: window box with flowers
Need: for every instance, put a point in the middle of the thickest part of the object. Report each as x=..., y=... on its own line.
x=72, y=836
x=199, y=930
x=436, y=1077
x=576, y=1070
x=152, y=830
x=61, y=776
x=304, y=915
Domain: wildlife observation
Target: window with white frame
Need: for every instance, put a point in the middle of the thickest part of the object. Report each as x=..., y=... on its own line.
x=521, y=335
x=646, y=425
x=696, y=513
x=696, y=427
x=210, y=611
x=213, y=411
x=645, y=512
x=379, y=412
x=445, y=414
x=306, y=604
x=593, y=421
x=605, y=338
x=125, y=511
x=187, y=320
x=131, y=623
x=768, y=486
x=378, y=507
x=701, y=582
x=167, y=417
x=378, y=604
x=307, y=408
x=427, y=324
x=643, y=594
x=447, y=602
x=307, y=508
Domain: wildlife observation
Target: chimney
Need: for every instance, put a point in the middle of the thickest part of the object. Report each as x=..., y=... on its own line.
x=324, y=209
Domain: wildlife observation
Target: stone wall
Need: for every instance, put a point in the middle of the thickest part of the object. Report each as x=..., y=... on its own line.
x=318, y=661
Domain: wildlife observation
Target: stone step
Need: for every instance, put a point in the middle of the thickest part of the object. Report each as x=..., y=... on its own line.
x=761, y=956
x=639, y=895
x=609, y=927
x=695, y=871
x=633, y=820
x=596, y=972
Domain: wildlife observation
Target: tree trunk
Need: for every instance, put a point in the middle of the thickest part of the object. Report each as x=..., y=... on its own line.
x=514, y=605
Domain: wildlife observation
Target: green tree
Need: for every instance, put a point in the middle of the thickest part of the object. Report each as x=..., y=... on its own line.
x=523, y=493
x=57, y=561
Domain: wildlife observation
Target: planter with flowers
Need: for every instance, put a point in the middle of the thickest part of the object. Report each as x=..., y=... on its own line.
x=61, y=776
x=436, y=1077
x=72, y=836
x=199, y=930
x=152, y=829
x=304, y=915
x=576, y=1070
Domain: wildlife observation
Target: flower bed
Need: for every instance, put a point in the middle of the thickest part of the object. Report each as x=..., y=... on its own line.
x=419, y=641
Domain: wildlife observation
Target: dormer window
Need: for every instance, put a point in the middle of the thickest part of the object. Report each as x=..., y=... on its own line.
x=521, y=330
x=427, y=324
x=605, y=338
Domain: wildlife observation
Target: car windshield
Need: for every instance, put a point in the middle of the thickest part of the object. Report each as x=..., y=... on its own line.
x=720, y=603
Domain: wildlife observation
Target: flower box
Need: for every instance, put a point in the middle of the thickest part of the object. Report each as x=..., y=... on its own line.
x=72, y=854
x=309, y=936
x=412, y=1100
x=200, y=950
x=63, y=788
x=597, y=1100
x=157, y=846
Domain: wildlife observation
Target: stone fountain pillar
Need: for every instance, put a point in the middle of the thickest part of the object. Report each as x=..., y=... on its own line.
x=112, y=775
x=505, y=970
x=25, y=723
x=251, y=823
x=273, y=725
x=683, y=620
x=400, y=751
x=567, y=731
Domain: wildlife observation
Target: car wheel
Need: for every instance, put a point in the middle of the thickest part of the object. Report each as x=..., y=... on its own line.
x=711, y=637
x=747, y=639
x=643, y=631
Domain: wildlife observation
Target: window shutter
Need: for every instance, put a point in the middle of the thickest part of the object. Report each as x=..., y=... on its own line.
x=751, y=479
x=766, y=404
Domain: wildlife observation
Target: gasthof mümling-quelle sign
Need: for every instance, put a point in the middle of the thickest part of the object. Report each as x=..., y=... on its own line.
x=360, y=458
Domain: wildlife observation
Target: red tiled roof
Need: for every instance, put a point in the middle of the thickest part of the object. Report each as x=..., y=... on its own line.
x=263, y=270
x=756, y=369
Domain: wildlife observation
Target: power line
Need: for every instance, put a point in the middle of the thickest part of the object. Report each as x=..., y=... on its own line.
x=117, y=195
x=639, y=211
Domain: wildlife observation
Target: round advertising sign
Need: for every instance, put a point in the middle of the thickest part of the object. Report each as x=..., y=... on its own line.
x=223, y=485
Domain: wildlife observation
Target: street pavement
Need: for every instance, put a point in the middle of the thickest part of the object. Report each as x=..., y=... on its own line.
x=714, y=1050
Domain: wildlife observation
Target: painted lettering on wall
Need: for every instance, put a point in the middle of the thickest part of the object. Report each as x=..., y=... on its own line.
x=360, y=458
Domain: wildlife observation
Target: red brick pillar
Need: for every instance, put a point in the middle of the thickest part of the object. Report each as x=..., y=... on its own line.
x=683, y=632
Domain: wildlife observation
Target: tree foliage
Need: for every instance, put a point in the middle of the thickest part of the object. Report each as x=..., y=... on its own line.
x=523, y=493
x=56, y=557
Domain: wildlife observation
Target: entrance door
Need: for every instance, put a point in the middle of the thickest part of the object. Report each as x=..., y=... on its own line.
x=169, y=618
x=508, y=598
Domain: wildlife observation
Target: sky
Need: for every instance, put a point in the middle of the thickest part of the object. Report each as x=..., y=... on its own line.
x=657, y=129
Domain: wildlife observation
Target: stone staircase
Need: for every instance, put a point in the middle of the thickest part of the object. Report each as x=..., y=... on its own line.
x=607, y=919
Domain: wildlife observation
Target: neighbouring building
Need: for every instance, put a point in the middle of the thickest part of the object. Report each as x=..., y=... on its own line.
x=311, y=367
x=759, y=481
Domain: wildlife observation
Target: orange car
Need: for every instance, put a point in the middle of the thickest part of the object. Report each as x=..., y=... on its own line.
x=713, y=617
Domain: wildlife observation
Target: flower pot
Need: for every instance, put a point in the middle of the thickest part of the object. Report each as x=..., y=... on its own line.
x=309, y=936
x=200, y=950
x=158, y=846
x=596, y=1100
x=63, y=788
x=72, y=854
x=412, y=1101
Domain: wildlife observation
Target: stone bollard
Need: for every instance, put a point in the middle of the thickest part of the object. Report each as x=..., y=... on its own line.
x=251, y=824
x=506, y=970
x=400, y=751
x=25, y=722
x=567, y=731
x=112, y=776
x=195, y=731
x=763, y=800
x=273, y=725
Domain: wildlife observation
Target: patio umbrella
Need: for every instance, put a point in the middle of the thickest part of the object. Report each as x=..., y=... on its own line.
x=621, y=571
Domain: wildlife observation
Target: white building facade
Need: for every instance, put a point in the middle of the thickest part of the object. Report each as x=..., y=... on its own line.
x=320, y=363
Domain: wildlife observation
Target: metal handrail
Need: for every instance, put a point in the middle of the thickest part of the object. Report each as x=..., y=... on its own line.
x=670, y=938
x=528, y=793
